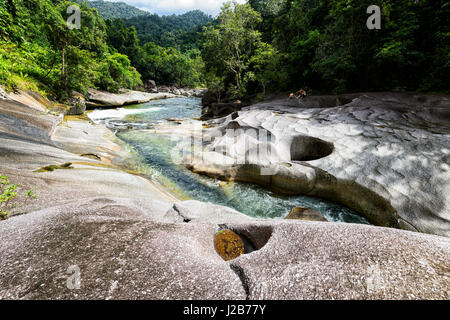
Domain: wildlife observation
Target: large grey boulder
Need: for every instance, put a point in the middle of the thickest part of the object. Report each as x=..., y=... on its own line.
x=384, y=155
x=77, y=104
x=97, y=232
x=99, y=99
x=133, y=249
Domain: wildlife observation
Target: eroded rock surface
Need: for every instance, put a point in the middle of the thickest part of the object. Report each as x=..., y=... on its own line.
x=299, y=213
x=385, y=155
x=128, y=249
x=129, y=240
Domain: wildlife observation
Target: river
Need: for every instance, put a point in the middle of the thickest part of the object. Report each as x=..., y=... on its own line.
x=133, y=125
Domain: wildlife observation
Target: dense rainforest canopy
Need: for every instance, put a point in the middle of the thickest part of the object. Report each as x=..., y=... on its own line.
x=326, y=45
x=38, y=50
x=114, y=10
x=177, y=31
x=248, y=50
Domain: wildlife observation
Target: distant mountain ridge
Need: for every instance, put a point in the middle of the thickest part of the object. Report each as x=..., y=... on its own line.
x=114, y=10
x=178, y=31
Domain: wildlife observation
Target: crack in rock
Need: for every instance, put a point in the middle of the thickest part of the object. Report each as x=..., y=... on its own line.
x=243, y=278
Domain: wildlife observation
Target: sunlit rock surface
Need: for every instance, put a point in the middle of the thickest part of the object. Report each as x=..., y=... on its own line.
x=130, y=249
x=376, y=153
x=130, y=240
x=102, y=99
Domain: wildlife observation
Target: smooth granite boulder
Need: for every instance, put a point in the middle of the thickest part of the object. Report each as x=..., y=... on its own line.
x=385, y=155
x=127, y=249
x=99, y=232
x=99, y=99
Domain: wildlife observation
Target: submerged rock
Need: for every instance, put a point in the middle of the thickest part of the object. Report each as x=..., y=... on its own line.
x=299, y=213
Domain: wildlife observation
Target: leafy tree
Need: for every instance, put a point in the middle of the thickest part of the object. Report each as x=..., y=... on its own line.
x=266, y=65
x=117, y=72
x=229, y=45
x=124, y=39
x=170, y=66
x=177, y=31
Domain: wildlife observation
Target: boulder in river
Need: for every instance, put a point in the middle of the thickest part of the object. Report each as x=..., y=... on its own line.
x=102, y=99
x=307, y=214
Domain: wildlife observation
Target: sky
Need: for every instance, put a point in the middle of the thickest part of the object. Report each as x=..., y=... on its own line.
x=164, y=7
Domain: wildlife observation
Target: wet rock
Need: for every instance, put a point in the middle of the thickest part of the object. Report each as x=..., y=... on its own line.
x=307, y=214
x=51, y=168
x=77, y=104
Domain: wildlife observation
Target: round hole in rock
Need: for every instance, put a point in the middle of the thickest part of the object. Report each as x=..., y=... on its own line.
x=306, y=148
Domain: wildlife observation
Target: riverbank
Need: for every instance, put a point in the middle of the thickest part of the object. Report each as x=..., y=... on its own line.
x=131, y=240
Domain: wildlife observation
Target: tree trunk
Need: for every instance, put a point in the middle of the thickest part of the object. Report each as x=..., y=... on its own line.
x=63, y=64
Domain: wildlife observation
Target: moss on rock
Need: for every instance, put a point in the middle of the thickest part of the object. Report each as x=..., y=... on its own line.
x=228, y=245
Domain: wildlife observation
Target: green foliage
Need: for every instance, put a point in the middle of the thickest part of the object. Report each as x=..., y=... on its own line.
x=170, y=66
x=118, y=73
x=30, y=194
x=9, y=192
x=116, y=10
x=177, y=31
x=233, y=50
x=38, y=48
x=265, y=45
x=325, y=45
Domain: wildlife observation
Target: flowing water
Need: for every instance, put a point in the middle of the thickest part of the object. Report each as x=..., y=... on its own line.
x=154, y=150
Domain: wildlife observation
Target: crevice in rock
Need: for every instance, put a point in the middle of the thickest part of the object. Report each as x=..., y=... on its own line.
x=178, y=215
x=183, y=216
x=245, y=281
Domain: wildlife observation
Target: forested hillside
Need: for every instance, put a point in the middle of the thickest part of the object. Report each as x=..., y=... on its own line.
x=39, y=51
x=166, y=65
x=249, y=50
x=178, y=31
x=114, y=10
x=325, y=45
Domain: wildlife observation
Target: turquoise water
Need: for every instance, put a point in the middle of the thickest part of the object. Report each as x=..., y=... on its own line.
x=155, y=150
